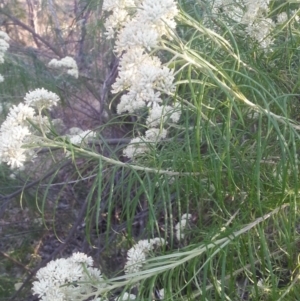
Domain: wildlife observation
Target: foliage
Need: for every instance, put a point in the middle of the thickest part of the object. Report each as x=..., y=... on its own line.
x=230, y=161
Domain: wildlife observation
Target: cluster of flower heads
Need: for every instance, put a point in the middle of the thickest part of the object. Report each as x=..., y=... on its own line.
x=4, y=38
x=181, y=226
x=77, y=136
x=139, y=22
x=17, y=129
x=141, y=145
x=66, y=279
x=254, y=15
x=145, y=79
x=139, y=26
x=258, y=25
x=67, y=63
x=41, y=99
x=74, y=278
x=136, y=256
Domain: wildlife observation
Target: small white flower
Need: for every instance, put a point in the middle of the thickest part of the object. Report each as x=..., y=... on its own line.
x=282, y=17
x=144, y=78
x=16, y=131
x=73, y=72
x=155, y=135
x=136, y=256
x=111, y=5
x=260, y=30
x=116, y=21
x=18, y=285
x=4, y=36
x=41, y=99
x=296, y=18
x=141, y=145
x=18, y=115
x=82, y=258
x=82, y=136
x=68, y=63
x=161, y=294
x=75, y=131
x=12, y=176
x=3, y=46
x=129, y=104
x=137, y=34
x=66, y=279
x=159, y=13
x=11, y=150
x=165, y=80
x=126, y=297
x=161, y=114
x=181, y=226
x=136, y=147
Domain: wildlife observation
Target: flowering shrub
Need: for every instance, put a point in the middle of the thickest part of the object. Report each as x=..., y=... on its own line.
x=74, y=278
x=182, y=225
x=142, y=74
x=17, y=131
x=216, y=91
x=63, y=279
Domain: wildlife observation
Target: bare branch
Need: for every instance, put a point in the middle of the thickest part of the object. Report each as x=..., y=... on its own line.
x=34, y=34
x=56, y=25
x=31, y=21
x=6, y=199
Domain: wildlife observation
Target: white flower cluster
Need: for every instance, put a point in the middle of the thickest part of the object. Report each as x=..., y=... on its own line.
x=120, y=15
x=140, y=22
x=74, y=278
x=229, y=9
x=282, y=18
x=182, y=225
x=254, y=14
x=126, y=297
x=67, y=63
x=144, y=77
x=140, y=145
x=136, y=256
x=259, y=26
x=78, y=136
x=41, y=99
x=160, y=115
x=16, y=131
x=68, y=279
x=4, y=38
x=139, y=26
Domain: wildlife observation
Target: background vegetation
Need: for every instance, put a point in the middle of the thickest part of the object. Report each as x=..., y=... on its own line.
x=231, y=161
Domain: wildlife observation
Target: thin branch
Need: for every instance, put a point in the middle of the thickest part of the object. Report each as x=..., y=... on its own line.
x=56, y=24
x=6, y=199
x=111, y=77
x=34, y=34
x=31, y=21
x=15, y=261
